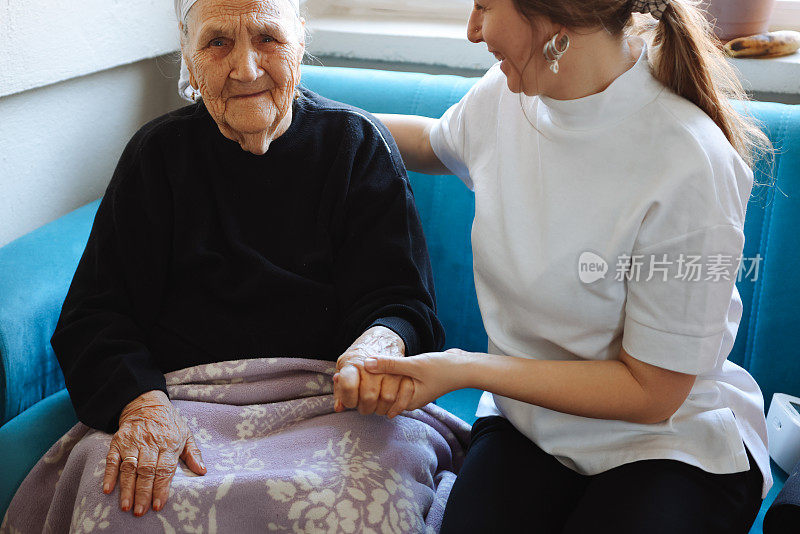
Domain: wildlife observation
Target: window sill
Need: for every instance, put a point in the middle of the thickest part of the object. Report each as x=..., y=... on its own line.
x=397, y=40
x=444, y=44
x=779, y=75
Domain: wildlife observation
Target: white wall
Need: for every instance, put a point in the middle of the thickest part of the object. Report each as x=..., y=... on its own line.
x=47, y=41
x=59, y=144
x=77, y=79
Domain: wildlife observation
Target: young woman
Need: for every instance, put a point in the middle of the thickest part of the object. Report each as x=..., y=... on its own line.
x=611, y=178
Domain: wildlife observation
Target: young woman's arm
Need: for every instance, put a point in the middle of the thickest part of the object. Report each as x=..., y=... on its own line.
x=625, y=389
x=412, y=135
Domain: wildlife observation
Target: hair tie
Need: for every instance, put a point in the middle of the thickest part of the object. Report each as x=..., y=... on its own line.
x=654, y=7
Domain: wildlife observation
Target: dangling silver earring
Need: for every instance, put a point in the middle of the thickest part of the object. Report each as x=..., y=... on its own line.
x=195, y=94
x=552, y=52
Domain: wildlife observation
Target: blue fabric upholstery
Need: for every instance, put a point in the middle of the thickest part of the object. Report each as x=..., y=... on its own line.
x=36, y=272
x=27, y=437
x=37, y=269
x=769, y=332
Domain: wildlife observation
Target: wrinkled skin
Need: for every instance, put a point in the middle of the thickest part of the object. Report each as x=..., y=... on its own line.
x=370, y=393
x=433, y=374
x=244, y=57
x=152, y=431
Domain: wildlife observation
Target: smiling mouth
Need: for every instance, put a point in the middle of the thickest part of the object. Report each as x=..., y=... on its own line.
x=251, y=95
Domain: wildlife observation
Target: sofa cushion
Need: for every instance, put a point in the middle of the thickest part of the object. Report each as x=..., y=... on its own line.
x=27, y=437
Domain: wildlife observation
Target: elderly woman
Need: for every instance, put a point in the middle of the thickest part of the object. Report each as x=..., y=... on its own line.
x=263, y=220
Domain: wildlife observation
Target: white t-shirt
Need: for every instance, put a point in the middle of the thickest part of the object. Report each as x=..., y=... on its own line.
x=625, y=176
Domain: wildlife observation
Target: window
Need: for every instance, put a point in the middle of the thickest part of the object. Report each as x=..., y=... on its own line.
x=786, y=15
x=441, y=9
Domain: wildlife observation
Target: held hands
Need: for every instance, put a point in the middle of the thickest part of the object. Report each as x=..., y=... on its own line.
x=145, y=450
x=370, y=393
x=432, y=374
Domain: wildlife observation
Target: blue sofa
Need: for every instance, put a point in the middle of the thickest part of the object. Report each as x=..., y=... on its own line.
x=36, y=269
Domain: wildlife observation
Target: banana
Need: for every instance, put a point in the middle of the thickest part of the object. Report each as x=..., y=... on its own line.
x=770, y=44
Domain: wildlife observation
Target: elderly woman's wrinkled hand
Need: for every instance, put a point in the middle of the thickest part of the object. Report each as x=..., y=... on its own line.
x=433, y=374
x=355, y=387
x=144, y=452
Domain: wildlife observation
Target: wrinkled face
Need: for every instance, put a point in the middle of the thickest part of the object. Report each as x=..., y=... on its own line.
x=512, y=39
x=244, y=57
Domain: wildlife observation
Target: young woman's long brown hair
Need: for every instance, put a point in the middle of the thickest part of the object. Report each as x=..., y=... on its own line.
x=685, y=55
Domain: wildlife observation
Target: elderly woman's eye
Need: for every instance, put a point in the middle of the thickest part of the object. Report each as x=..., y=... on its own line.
x=267, y=39
x=217, y=42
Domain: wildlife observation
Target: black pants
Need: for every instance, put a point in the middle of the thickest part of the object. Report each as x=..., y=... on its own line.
x=509, y=485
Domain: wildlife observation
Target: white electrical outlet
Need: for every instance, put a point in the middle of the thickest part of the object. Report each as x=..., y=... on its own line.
x=783, y=430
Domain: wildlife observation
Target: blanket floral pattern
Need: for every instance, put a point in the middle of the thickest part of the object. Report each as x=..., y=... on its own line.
x=279, y=460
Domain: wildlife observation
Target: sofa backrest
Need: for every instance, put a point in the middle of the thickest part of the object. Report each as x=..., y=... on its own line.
x=446, y=207
x=768, y=341
x=36, y=270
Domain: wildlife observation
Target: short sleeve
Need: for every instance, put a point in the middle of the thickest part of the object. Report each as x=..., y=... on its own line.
x=448, y=140
x=679, y=295
x=457, y=135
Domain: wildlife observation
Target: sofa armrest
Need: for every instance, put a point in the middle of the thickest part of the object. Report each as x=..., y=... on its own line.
x=26, y=438
x=37, y=270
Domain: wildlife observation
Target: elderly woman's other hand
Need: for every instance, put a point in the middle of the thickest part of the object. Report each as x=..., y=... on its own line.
x=145, y=450
x=355, y=387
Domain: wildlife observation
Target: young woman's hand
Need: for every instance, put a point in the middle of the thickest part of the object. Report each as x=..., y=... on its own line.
x=354, y=387
x=432, y=374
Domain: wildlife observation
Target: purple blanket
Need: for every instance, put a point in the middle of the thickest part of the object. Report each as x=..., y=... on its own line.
x=279, y=459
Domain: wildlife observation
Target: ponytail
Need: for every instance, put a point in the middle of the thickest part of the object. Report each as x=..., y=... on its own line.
x=688, y=58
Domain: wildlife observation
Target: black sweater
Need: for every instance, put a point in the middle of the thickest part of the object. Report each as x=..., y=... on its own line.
x=201, y=252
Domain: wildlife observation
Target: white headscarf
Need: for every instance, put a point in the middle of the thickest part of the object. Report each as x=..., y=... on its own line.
x=185, y=90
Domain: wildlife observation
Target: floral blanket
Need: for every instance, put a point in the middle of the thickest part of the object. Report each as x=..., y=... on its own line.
x=279, y=459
